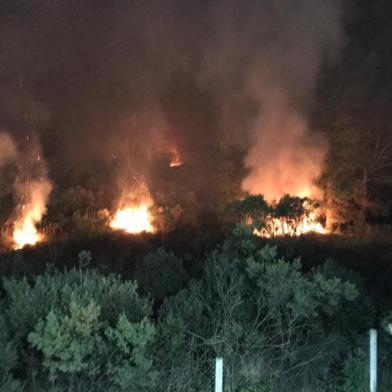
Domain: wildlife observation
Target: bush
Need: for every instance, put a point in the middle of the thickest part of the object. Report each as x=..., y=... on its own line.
x=80, y=328
x=161, y=274
x=269, y=320
x=355, y=374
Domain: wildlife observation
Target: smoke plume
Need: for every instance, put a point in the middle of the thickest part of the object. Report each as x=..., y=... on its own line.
x=127, y=82
x=278, y=46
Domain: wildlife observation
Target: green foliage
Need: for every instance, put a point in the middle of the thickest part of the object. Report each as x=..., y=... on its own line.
x=262, y=314
x=252, y=210
x=81, y=344
x=259, y=388
x=160, y=274
x=352, y=375
x=355, y=373
x=131, y=341
x=8, y=361
x=69, y=343
x=29, y=301
x=275, y=325
x=82, y=328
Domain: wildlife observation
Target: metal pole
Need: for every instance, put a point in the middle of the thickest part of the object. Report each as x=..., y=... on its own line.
x=373, y=360
x=219, y=375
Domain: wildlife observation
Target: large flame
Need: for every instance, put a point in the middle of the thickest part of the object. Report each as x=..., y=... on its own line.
x=25, y=227
x=133, y=214
x=134, y=219
x=25, y=232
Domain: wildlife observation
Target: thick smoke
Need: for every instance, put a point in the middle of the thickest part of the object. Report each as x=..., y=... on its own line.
x=128, y=82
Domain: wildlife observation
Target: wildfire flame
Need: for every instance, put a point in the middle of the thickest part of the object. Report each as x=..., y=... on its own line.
x=133, y=215
x=133, y=220
x=25, y=232
x=176, y=158
x=280, y=227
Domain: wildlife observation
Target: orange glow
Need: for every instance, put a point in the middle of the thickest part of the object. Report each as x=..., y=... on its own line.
x=133, y=220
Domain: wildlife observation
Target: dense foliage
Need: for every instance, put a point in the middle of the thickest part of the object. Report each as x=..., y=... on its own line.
x=277, y=327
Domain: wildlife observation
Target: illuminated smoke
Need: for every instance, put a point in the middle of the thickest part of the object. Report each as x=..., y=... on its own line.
x=286, y=157
x=273, y=51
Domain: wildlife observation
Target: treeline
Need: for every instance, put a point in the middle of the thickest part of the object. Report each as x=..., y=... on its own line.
x=278, y=326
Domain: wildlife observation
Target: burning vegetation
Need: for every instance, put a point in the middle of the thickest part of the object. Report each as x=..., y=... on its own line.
x=134, y=220
x=240, y=110
x=133, y=214
x=35, y=195
x=235, y=109
x=290, y=216
x=30, y=189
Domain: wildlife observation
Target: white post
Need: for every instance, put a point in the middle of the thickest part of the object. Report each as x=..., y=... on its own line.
x=219, y=375
x=373, y=360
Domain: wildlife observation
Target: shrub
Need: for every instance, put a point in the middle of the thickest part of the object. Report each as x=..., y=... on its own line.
x=269, y=320
x=161, y=274
x=81, y=328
